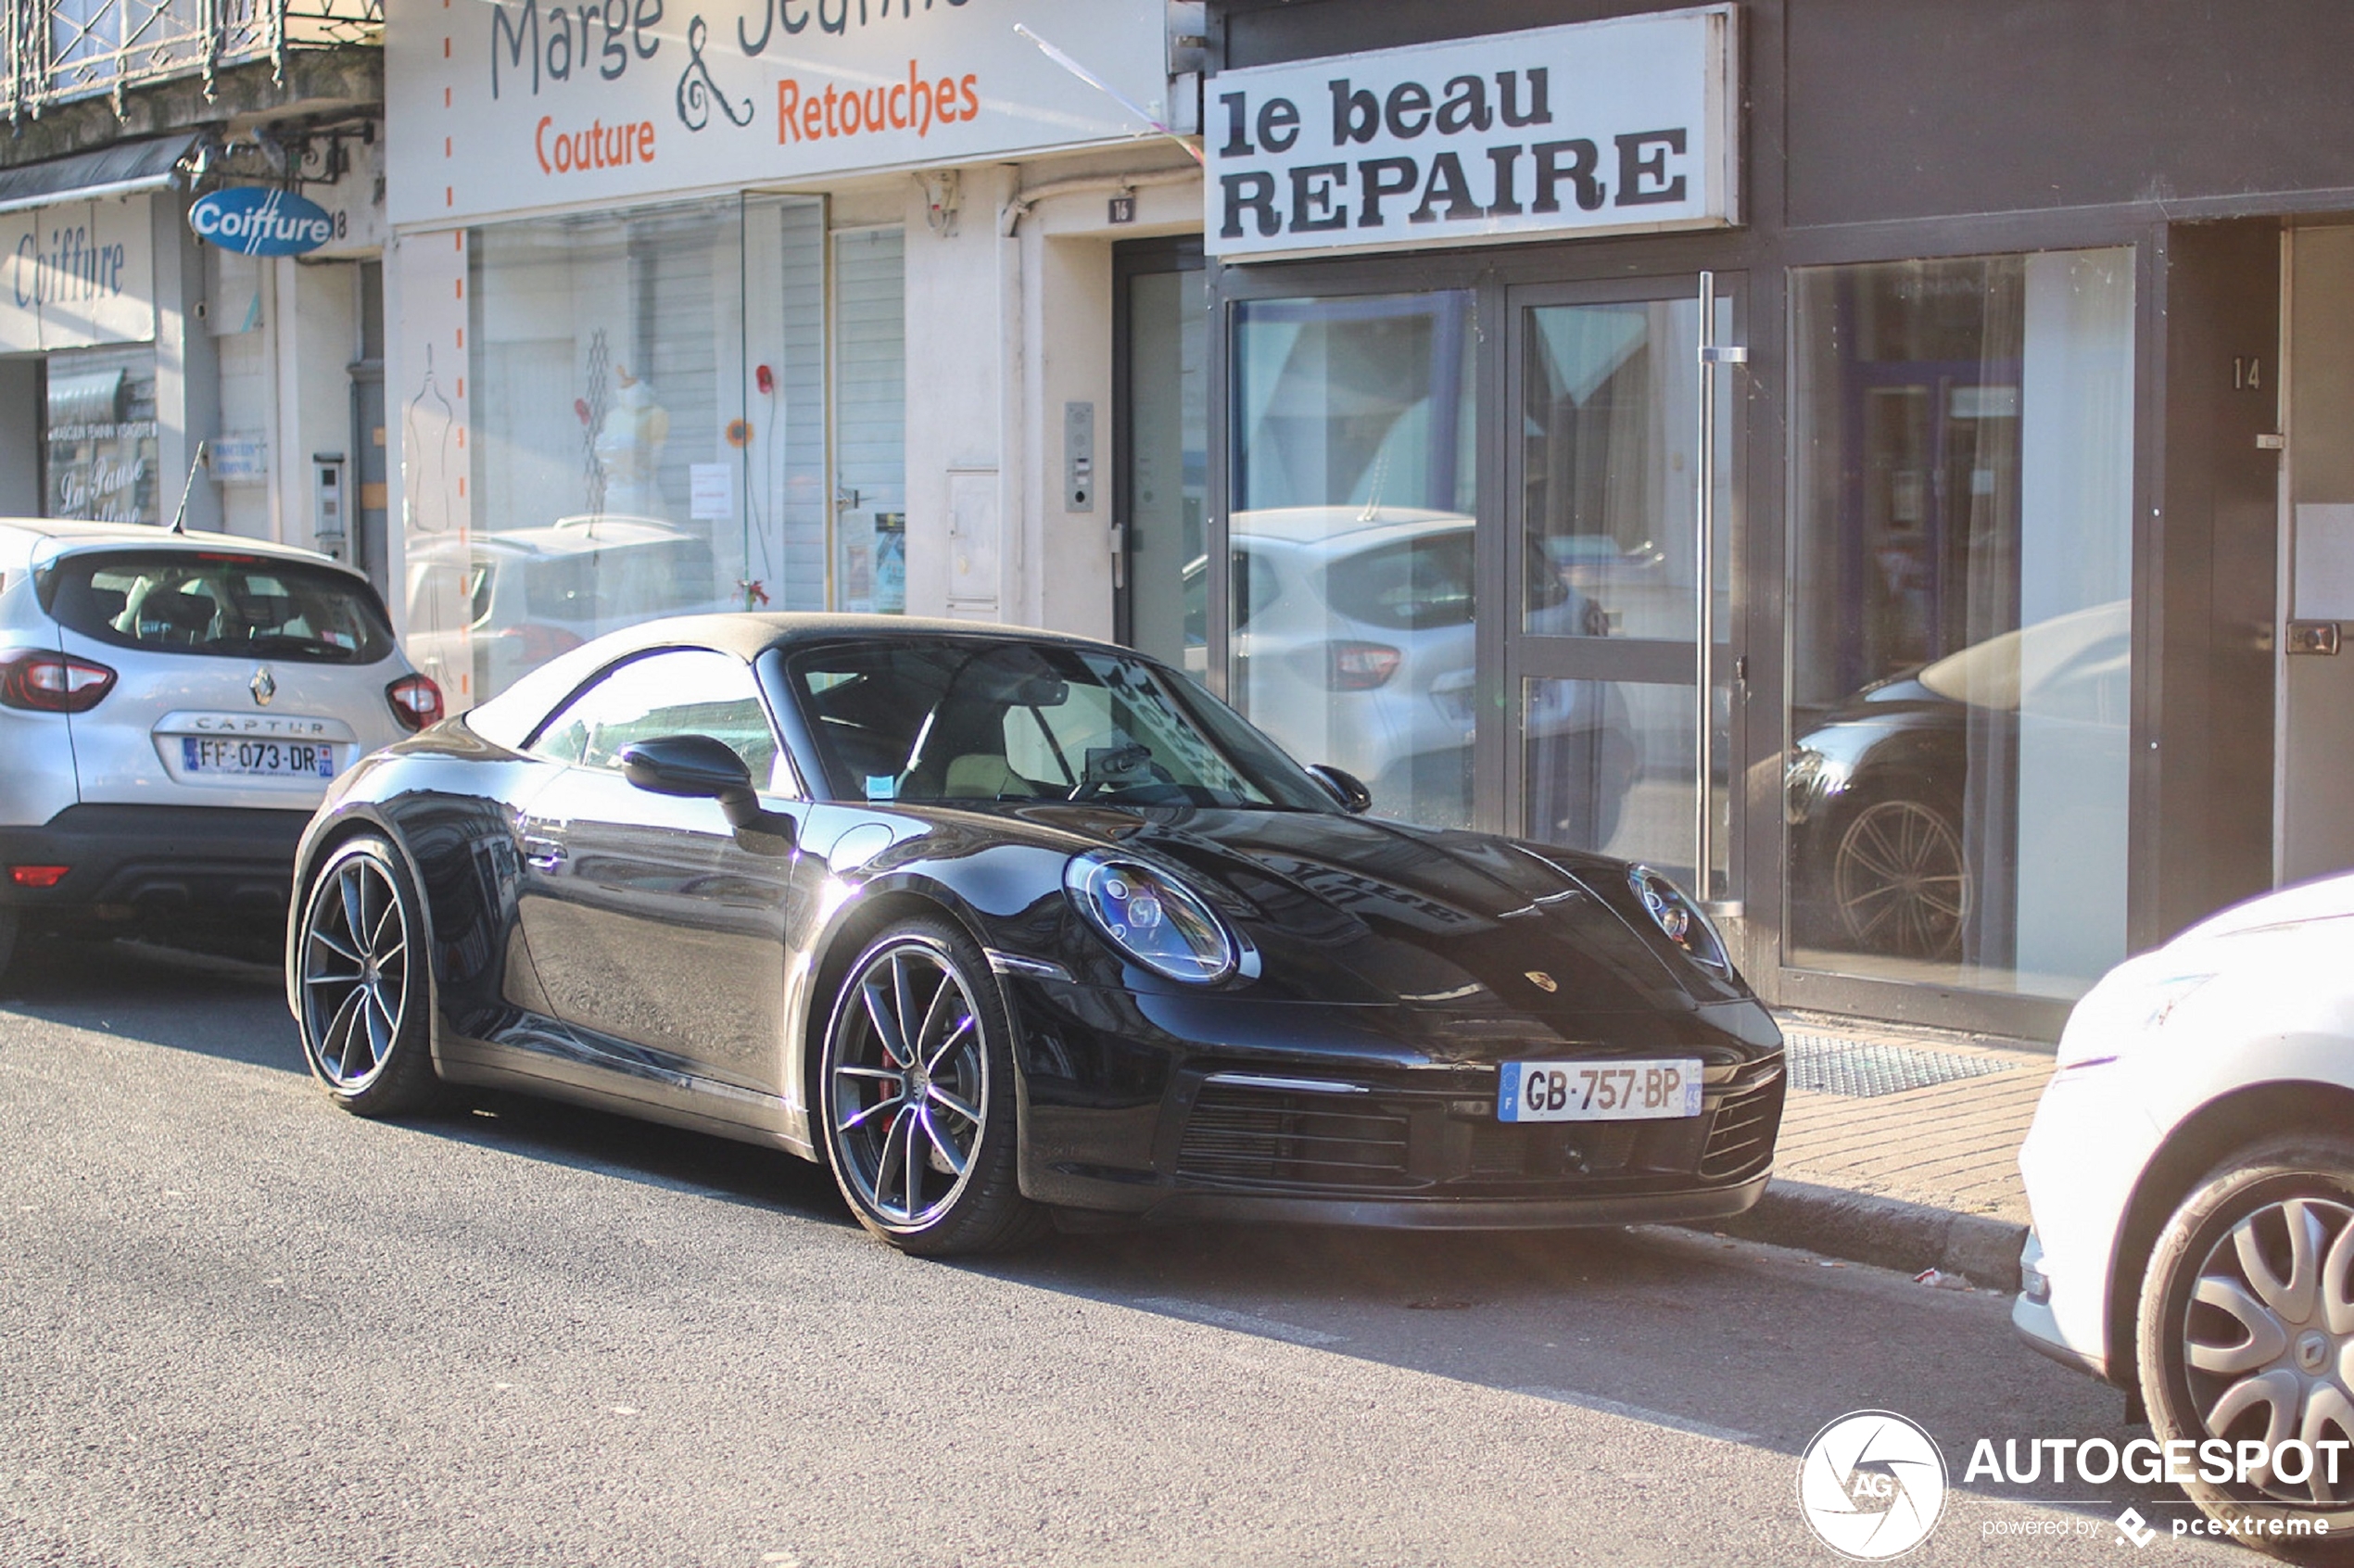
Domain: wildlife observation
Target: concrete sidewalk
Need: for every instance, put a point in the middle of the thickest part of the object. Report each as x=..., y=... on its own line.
x=1900, y=1148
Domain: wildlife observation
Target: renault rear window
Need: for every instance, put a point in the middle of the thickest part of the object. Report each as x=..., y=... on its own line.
x=221, y=604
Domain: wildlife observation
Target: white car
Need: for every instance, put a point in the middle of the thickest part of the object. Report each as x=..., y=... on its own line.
x=172, y=707
x=1354, y=640
x=2190, y=1170
x=500, y=605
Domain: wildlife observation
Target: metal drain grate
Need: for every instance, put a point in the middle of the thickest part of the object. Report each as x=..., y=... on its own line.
x=1826, y=1064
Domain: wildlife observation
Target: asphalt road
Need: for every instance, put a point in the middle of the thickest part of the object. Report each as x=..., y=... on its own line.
x=239, y=1327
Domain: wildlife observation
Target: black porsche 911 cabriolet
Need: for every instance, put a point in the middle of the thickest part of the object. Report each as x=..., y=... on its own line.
x=1000, y=925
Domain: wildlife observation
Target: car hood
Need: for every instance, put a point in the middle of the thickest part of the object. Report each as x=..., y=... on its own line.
x=2330, y=898
x=1359, y=909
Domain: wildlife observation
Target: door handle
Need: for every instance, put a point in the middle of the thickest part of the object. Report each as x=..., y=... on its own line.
x=1711, y=354
x=542, y=854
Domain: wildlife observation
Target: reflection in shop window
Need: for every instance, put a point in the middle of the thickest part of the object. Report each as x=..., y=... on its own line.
x=98, y=436
x=1962, y=448
x=647, y=432
x=1351, y=532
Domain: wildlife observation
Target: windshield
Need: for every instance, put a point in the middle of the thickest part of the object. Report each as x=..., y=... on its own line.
x=972, y=720
x=218, y=602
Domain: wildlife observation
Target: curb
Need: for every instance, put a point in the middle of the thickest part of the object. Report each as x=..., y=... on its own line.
x=1888, y=1232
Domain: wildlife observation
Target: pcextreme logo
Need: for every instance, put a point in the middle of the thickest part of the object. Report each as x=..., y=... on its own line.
x=1872, y=1485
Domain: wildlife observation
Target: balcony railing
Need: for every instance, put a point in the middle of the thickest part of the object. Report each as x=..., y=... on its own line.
x=60, y=50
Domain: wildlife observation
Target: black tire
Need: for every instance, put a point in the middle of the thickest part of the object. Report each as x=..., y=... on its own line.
x=11, y=926
x=2249, y=1204
x=359, y=969
x=962, y=1086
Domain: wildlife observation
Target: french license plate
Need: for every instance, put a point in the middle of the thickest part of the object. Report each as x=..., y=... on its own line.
x=1599, y=1090
x=283, y=759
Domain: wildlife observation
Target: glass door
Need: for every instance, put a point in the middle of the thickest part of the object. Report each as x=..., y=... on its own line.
x=1160, y=352
x=1622, y=398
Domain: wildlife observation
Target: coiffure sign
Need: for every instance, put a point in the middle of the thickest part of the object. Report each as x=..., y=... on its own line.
x=1606, y=127
x=79, y=274
x=253, y=221
x=520, y=104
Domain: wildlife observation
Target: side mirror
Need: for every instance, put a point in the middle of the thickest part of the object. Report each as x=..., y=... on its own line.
x=694, y=767
x=1347, y=788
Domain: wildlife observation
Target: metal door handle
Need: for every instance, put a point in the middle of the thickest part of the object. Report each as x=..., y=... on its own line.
x=1711, y=354
x=2313, y=636
x=543, y=854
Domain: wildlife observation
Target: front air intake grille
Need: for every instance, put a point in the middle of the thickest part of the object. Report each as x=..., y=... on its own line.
x=1263, y=1136
x=1740, y=1133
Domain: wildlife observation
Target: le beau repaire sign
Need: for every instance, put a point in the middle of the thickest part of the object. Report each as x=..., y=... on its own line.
x=1606, y=127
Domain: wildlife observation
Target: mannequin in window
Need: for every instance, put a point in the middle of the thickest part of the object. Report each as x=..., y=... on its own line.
x=629, y=448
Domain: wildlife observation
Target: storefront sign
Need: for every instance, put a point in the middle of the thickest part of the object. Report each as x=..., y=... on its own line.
x=1606, y=127
x=525, y=103
x=78, y=274
x=252, y=221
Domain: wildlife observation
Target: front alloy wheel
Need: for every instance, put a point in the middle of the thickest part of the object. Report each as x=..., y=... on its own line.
x=917, y=1098
x=1902, y=882
x=2247, y=1333
x=360, y=983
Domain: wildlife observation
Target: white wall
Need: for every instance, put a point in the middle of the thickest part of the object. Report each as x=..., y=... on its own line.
x=313, y=386
x=986, y=396
x=241, y=318
x=964, y=404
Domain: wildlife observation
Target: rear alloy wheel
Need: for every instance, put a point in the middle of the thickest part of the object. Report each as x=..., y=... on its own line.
x=1902, y=884
x=2246, y=1331
x=917, y=1096
x=359, y=974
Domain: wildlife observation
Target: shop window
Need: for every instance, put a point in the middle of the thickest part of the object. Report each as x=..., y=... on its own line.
x=647, y=432
x=98, y=434
x=1962, y=464
x=1352, y=509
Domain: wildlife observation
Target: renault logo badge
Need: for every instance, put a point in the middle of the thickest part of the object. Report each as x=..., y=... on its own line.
x=1542, y=980
x=265, y=686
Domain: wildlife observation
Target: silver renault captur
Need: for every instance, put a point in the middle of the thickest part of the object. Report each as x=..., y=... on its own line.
x=172, y=707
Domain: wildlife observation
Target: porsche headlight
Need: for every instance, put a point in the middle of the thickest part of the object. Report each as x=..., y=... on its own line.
x=1679, y=920
x=1152, y=917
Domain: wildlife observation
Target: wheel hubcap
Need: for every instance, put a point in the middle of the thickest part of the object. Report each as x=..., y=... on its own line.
x=354, y=969
x=1901, y=882
x=2269, y=1340
x=910, y=1090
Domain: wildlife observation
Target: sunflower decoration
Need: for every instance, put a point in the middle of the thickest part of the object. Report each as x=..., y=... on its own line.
x=740, y=433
